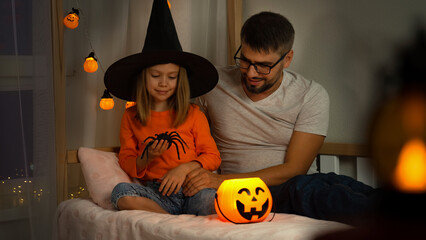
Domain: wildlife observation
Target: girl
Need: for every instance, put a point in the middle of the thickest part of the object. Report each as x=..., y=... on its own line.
x=163, y=137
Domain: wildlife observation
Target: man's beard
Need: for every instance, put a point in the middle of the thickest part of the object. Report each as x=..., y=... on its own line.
x=256, y=90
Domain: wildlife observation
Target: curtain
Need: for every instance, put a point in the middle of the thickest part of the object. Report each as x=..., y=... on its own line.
x=59, y=95
x=27, y=126
x=234, y=23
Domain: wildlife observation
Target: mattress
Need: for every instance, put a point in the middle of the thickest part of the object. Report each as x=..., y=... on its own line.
x=83, y=219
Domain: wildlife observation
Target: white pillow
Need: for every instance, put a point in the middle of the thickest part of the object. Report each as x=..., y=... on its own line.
x=101, y=172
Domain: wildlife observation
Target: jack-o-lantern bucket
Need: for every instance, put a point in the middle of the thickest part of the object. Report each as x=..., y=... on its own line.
x=243, y=200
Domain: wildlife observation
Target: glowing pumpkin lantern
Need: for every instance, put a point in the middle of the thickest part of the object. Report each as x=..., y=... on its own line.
x=91, y=63
x=107, y=102
x=71, y=20
x=243, y=200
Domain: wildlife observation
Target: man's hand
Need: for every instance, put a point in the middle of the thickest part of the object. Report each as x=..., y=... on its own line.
x=199, y=179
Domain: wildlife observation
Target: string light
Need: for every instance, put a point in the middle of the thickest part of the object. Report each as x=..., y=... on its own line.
x=77, y=193
x=106, y=102
x=71, y=20
x=91, y=63
x=20, y=192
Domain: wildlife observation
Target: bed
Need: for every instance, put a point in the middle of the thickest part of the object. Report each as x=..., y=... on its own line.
x=94, y=217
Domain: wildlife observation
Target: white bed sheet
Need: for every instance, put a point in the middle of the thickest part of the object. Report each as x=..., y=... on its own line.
x=83, y=219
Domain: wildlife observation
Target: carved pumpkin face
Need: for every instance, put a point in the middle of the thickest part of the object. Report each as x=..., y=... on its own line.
x=243, y=200
x=71, y=20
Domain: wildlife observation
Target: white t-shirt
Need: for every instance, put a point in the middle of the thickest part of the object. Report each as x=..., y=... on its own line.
x=255, y=135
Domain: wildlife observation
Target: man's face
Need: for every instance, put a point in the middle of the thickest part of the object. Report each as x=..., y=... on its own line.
x=255, y=82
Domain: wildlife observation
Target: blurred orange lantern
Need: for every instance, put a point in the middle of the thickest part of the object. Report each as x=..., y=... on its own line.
x=398, y=131
x=91, y=63
x=410, y=171
x=243, y=200
x=106, y=102
x=71, y=20
x=130, y=104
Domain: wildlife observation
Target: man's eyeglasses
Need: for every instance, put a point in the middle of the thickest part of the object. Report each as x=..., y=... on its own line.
x=260, y=68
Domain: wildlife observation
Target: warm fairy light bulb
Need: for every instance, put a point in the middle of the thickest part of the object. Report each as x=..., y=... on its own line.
x=410, y=171
x=91, y=63
x=168, y=3
x=106, y=102
x=71, y=20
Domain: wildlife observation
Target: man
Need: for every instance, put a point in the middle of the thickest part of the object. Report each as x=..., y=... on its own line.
x=270, y=122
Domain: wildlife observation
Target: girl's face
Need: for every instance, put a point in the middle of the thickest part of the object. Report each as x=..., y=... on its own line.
x=161, y=81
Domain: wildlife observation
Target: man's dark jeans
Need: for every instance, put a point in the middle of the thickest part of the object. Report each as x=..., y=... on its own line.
x=324, y=196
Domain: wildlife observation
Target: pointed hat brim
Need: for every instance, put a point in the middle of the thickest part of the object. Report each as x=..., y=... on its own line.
x=121, y=76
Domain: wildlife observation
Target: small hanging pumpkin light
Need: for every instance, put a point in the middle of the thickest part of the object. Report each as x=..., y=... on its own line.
x=130, y=104
x=243, y=200
x=91, y=63
x=71, y=20
x=106, y=102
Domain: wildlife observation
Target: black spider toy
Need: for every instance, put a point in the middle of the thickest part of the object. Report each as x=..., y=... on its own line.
x=171, y=138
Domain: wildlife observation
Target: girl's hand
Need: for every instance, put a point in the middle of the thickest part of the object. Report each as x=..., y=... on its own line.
x=156, y=149
x=172, y=181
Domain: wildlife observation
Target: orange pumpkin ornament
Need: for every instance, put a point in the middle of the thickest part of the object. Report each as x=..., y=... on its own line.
x=106, y=102
x=91, y=63
x=71, y=20
x=243, y=200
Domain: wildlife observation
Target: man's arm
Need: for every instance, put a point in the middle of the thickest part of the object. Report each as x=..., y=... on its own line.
x=301, y=152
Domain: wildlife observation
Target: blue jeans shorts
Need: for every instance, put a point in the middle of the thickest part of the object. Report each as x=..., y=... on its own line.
x=200, y=204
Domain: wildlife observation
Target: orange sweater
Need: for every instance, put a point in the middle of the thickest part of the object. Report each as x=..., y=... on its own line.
x=194, y=131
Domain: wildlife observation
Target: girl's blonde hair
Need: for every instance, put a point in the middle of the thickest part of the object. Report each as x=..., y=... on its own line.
x=179, y=101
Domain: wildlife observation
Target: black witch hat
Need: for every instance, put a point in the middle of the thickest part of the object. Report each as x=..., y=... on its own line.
x=161, y=46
